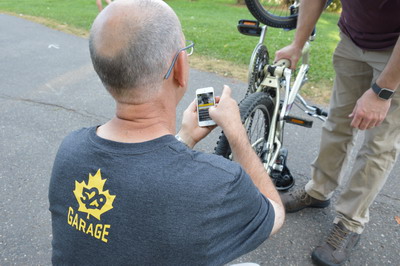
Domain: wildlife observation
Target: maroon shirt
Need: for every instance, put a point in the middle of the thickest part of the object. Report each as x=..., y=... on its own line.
x=371, y=24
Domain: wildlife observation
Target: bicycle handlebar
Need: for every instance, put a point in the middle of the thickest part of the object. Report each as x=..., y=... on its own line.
x=319, y=111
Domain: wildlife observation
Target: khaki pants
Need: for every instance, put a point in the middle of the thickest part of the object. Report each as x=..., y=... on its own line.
x=356, y=70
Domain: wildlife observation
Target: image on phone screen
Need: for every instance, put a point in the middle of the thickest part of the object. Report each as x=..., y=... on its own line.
x=204, y=102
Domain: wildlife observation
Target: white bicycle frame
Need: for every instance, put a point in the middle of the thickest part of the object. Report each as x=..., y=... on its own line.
x=280, y=80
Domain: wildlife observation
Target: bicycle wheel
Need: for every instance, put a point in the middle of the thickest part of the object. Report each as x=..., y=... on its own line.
x=276, y=13
x=256, y=111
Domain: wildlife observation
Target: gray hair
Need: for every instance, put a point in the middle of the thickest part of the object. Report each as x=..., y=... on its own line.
x=149, y=36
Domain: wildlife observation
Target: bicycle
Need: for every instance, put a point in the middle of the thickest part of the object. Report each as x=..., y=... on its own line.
x=271, y=12
x=264, y=111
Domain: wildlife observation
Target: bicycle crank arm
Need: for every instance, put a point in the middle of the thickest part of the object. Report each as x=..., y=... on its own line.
x=298, y=121
x=280, y=174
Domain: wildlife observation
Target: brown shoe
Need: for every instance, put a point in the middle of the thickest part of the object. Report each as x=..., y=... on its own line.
x=299, y=199
x=337, y=247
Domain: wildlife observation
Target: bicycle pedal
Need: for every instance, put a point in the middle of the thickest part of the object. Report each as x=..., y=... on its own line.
x=249, y=27
x=298, y=121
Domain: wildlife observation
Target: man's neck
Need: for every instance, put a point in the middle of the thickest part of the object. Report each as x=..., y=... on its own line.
x=138, y=123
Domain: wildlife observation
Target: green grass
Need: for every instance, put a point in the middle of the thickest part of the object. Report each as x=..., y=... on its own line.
x=211, y=24
x=76, y=13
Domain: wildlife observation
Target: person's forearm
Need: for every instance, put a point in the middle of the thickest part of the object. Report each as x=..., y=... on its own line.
x=309, y=13
x=227, y=116
x=244, y=154
x=390, y=77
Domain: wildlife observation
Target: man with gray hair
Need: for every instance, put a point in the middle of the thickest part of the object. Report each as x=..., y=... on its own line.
x=129, y=191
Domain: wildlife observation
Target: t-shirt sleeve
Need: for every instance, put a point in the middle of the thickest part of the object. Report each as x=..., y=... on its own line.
x=245, y=219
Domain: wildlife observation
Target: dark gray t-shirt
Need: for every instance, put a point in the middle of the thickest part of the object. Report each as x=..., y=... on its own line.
x=151, y=203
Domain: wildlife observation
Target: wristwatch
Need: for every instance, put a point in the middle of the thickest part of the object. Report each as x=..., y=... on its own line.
x=181, y=140
x=383, y=93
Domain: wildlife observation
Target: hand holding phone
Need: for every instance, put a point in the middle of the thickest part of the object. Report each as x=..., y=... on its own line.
x=205, y=99
x=227, y=114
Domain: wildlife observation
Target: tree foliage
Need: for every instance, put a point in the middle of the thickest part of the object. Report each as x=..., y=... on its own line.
x=335, y=6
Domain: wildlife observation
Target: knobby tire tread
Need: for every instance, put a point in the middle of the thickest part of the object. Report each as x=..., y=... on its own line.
x=262, y=15
x=247, y=106
x=269, y=19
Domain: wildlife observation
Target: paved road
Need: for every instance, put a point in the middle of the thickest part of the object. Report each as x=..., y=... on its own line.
x=48, y=88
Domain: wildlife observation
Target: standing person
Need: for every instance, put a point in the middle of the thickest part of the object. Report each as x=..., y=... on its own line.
x=129, y=192
x=367, y=66
x=100, y=4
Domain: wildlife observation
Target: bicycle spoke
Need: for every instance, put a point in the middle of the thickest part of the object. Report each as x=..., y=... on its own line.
x=255, y=126
x=277, y=7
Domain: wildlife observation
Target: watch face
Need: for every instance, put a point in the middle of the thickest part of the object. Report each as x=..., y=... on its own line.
x=385, y=94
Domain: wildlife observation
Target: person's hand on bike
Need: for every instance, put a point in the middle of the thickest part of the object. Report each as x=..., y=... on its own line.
x=226, y=114
x=369, y=111
x=291, y=52
x=191, y=132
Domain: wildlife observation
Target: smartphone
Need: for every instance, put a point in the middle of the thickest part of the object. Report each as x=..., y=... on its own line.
x=205, y=99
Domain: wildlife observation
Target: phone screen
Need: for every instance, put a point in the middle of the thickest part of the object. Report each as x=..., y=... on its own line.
x=204, y=102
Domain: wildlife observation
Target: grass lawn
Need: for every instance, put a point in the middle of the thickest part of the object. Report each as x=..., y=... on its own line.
x=211, y=24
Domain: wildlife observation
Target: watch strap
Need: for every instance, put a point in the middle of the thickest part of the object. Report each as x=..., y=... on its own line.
x=181, y=140
x=382, y=93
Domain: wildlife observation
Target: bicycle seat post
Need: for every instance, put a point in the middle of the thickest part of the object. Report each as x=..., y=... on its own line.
x=305, y=53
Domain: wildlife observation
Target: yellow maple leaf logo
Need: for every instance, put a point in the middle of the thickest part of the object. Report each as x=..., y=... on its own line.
x=91, y=197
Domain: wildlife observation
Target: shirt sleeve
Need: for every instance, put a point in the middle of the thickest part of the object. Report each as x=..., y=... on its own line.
x=245, y=219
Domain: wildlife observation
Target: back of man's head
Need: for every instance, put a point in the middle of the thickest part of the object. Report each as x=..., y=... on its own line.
x=131, y=44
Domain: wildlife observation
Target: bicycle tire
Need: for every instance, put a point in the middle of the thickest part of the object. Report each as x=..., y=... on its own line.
x=256, y=107
x=271, y=17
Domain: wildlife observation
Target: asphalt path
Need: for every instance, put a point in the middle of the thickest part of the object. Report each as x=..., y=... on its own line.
x=49, y=88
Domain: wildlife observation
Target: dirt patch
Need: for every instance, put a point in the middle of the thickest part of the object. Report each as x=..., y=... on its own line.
x=53, y=24
x=319, y=93
x=220, y=67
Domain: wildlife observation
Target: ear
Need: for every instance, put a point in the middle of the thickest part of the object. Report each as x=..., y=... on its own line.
x=181, y=69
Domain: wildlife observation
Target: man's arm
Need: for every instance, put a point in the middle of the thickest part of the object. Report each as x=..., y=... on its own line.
x=309, y=13
x=227, y=116
x=370, y=110
x=390, y=77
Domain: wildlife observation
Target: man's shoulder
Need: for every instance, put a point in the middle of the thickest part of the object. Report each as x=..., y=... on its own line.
x=75, y=139
x=217, y=162
x=78, y=134
x=203, y=163
x=81, y=131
